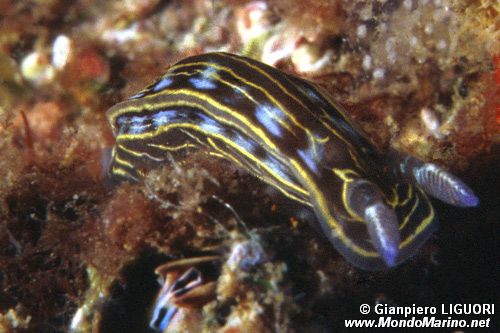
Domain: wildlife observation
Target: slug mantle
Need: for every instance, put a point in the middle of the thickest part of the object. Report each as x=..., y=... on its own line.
x=290, y=134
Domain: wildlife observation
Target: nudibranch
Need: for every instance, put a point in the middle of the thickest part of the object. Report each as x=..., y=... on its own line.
x=289, y=133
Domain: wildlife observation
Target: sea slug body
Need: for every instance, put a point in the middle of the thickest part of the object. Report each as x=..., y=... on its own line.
x=290, y=134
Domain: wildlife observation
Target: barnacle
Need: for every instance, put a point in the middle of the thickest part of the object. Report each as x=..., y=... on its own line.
x=186, y=284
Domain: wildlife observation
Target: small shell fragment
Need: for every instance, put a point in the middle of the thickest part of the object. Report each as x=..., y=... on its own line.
x=35, y=67
x=61, y=51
